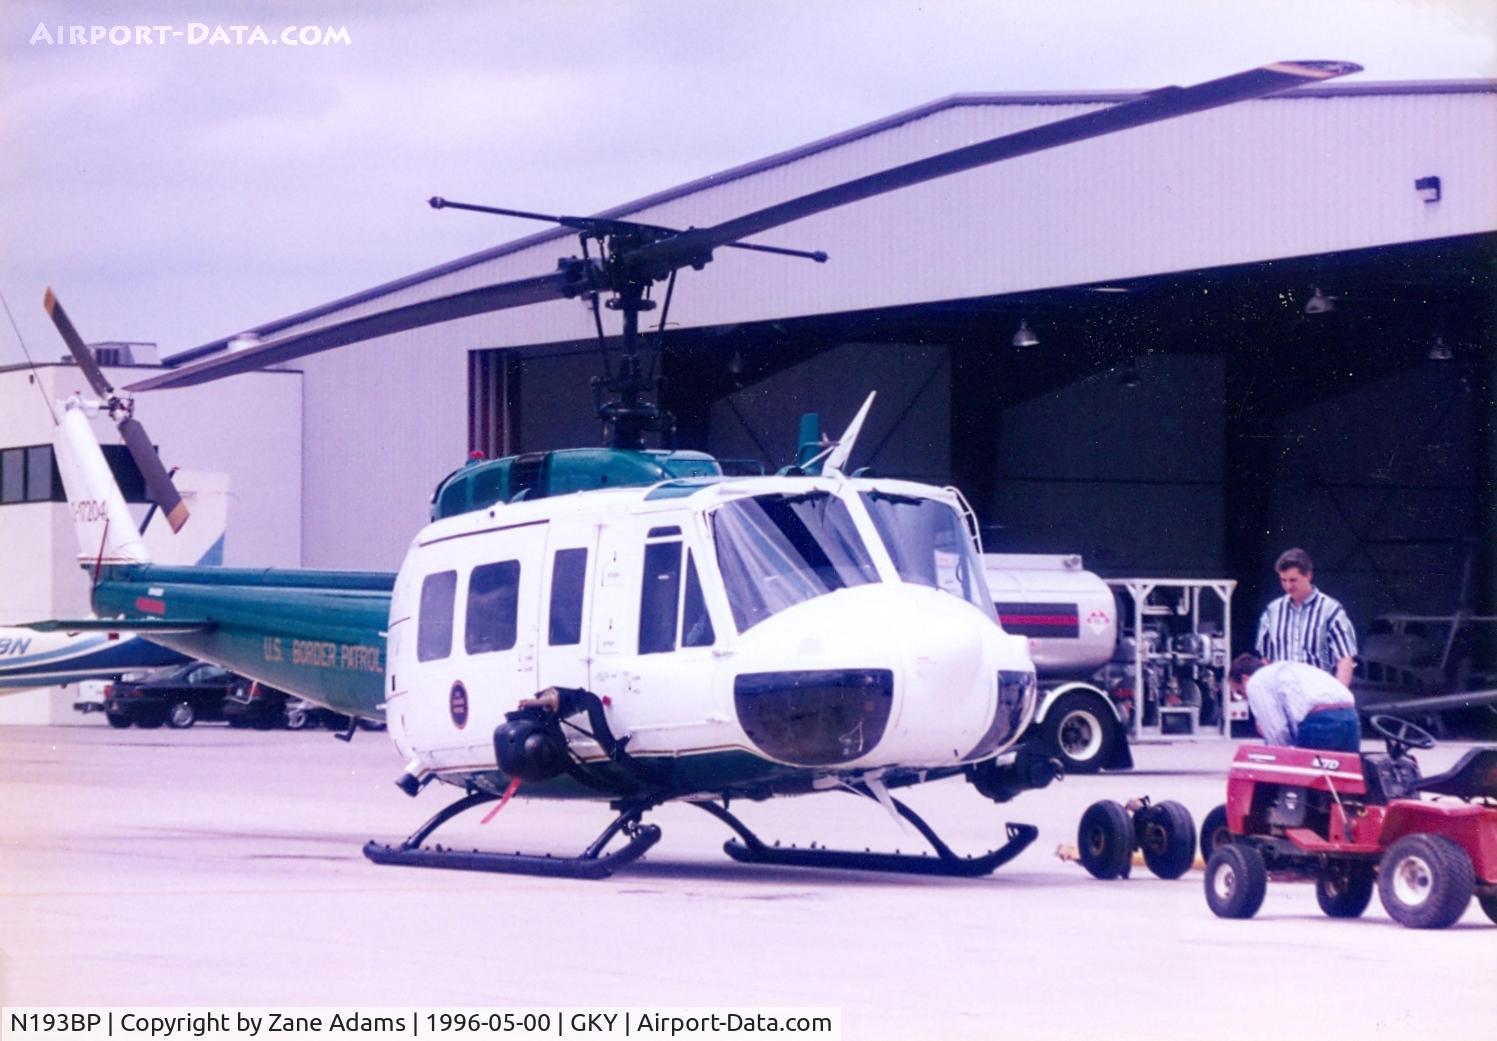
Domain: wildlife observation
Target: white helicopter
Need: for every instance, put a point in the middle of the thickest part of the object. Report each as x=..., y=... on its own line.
x=627, y=624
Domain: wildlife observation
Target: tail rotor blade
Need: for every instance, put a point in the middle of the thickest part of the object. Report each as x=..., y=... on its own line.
x=81, y=354
x=158, y=481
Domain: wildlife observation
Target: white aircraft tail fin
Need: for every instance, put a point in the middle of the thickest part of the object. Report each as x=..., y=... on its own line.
x=106, y=531
x=206, y=493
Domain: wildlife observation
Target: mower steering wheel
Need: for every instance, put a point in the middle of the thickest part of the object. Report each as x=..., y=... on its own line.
x=1401, y=735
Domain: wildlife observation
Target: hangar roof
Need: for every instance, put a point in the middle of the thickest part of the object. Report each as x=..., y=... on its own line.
x=1253, y=181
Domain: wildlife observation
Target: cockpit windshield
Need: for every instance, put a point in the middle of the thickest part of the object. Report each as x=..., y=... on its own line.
x=778, y=550
x=930, y=545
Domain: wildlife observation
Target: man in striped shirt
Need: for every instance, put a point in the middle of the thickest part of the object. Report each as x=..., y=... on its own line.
x=1304, y=624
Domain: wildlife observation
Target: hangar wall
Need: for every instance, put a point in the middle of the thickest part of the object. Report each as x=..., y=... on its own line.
x=1129, y=476
x=907, y=434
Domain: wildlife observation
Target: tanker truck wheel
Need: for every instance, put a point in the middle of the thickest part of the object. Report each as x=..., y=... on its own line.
x=1081, y=731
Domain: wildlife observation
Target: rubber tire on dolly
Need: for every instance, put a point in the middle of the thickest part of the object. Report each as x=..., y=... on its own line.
x=1084, y=723
x=1214, y=832
x=1104, y=841
x=1344, y=888
x=1167, y=836
x=1425, y=881
x=1236, y=881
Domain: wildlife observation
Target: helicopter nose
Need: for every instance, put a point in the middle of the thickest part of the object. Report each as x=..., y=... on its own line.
x=882, y=675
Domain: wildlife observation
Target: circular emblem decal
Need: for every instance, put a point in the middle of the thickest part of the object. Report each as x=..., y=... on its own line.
x=457, y=704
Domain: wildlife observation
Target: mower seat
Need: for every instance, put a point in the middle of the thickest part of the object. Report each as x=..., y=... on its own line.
x=1473, y=776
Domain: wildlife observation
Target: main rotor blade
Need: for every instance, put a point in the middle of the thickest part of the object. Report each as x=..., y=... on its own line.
x=158, y=482
x=81, y=354
x=568, y=281
x=1166, y=103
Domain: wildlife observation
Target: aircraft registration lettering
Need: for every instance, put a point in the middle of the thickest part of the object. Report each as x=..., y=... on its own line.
x=17, y=645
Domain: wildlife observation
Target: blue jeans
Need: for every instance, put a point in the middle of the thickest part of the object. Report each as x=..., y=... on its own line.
x=1330, y=729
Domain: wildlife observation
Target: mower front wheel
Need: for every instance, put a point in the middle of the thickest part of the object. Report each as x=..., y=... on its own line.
x=1425, y=881
x=1236, y=881
x=1489, y=905
x=1215, y=832
x=1344, y=888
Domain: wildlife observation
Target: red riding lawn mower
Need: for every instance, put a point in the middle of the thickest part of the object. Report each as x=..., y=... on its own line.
x=1351, y=822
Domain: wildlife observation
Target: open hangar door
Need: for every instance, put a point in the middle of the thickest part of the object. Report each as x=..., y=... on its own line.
x=1192, y=424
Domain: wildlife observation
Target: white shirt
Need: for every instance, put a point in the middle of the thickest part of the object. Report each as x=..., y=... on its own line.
x=1282, y=694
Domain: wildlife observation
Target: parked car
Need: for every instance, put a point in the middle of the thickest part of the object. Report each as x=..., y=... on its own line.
x=178, y=698
x=251, y=704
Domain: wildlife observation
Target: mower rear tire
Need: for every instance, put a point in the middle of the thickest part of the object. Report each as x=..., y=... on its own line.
x=1488, y=903
x=1104, y=841
x=1344, y=888
x=1214, y=832
x=1236, y=881
x=1167, y=836
x=1425, y=881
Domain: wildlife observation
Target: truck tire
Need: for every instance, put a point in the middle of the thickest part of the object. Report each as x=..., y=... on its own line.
x=1344, y=888
x=1425, y=881
x=1081, y=732
x=181, y=715
x=1167, y=836
x=1104, y=841
x=1236, y=881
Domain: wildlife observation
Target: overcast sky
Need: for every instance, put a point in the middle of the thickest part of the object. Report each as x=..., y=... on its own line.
x=180, y=191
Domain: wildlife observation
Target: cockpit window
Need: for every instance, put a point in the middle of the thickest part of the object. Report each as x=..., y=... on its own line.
x=929, y=545
x=778, y=550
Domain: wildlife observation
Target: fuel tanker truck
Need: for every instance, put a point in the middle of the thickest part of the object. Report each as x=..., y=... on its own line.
x=1117, y=659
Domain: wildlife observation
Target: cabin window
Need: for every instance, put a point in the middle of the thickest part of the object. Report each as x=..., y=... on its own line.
x=696, y=623
x=929, y=545
x=659, y=596
x=434, y=621
x=568, y=572
x=777, y=550
x=493, y=607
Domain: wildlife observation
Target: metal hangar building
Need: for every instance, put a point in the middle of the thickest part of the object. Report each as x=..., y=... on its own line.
x=1178, y=349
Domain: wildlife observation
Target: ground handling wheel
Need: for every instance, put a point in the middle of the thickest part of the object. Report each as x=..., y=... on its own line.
x=1344, y=887
x=1236, y=881
x=1425, y=881
x=1167, y=835
x=1104, y=841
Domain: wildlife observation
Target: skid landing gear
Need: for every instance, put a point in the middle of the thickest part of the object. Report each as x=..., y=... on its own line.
x=592, y=863
x=753, y=850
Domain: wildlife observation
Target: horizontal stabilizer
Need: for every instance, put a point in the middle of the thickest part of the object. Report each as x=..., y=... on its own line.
x=145, y=626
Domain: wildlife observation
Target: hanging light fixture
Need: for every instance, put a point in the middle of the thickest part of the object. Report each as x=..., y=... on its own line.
x=1025, y=336
x=1319, y=303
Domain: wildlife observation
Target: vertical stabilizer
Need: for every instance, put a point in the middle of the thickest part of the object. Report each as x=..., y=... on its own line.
x=106, y=532
x=206, y=493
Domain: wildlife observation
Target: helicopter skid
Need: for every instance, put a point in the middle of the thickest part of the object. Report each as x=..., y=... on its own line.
x=593, y=863
x=753, y=850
